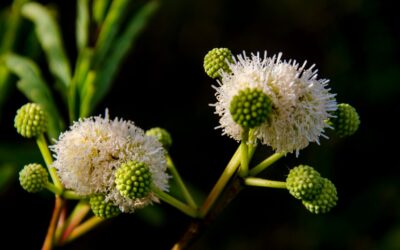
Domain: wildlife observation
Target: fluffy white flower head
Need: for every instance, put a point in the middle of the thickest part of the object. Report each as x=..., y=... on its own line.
x=300, y=102
x=88, y=155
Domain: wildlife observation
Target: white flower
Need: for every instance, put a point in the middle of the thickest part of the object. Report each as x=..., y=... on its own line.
x=300, y=102
x=88, y=155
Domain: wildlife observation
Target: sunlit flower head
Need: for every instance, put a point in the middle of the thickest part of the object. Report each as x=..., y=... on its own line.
x=89, y=154
x=301, y=103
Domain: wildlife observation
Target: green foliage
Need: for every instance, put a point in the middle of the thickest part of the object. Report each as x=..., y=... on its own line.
x=35, y=89
x=107, y=60
x=82, y=24
x=48, y=33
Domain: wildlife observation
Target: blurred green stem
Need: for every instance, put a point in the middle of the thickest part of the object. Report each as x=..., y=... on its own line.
x=44, y=149
x=244, y=158
x=266, y=163
x=176, y=203
x=258, y=182
x=229, y=171
x=181, y=184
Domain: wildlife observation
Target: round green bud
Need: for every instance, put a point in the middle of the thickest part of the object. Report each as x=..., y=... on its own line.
x=304, y=182
x=216, y=60
x=250, y=108
x=33, y=178
x=346, y=121
x=30, y=120
x=325, y=201
x=133, y=179
x=101, y=208
x=162, y=135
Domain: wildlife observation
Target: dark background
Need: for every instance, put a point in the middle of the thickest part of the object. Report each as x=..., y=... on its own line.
x=353, y=42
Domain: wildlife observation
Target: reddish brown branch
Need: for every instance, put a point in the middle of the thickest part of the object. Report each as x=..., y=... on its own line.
x=197, y=227
x=49, y=240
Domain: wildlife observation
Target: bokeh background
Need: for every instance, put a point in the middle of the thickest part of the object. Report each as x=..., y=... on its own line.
x=354, y=43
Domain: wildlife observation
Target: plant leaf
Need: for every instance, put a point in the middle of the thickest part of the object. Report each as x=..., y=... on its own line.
x=48, y=33
x=81, y=71
x=107, y=71
x=100, y=8
x=110, y=29
x=82, y=24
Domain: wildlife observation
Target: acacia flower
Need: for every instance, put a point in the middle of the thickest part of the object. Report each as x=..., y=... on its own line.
x=301, y=103
x=90, y=153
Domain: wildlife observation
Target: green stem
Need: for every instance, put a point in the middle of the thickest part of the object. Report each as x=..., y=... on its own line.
x=52, y=188
x=186, y=194
x=176, y=203
x=78, y=214
x=44, y=149
x=244, y=154
x=67, y=194
x=83, y=228
x=221, y=183
x=258, y=182
x=71, y=195
x=266, y=163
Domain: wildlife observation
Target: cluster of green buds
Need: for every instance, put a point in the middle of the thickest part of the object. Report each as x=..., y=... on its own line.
x=133, y=180
x=216, y=61
x=102, y=208
x=33, y=178
x=30, y=120
x=162, y=135
x=318, y=194
x=250, y=108
x=346, y=120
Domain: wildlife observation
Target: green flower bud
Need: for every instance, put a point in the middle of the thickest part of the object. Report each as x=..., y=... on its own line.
x=346, y=121
x=304, y=182
x=30, y=120
x=133, y=180
x=216, y=60
x=162, y=135
x=103, y=209
x=250, y=108
x=33, y=178
x=325, y=201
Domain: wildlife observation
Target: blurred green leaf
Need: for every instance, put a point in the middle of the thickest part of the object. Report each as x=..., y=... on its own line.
x=81, y=71
x=7, y=174
x=87, y=94
x=11, y=24
x=35, y=89
x=48, y=33
x=82, y=24
x=100, y=8
x=109, y=30
x=10, y=21
x=124, y=43
x=4, y=84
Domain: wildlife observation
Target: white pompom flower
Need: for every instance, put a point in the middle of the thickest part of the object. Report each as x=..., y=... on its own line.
x=301, y=103
x=89, y=154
